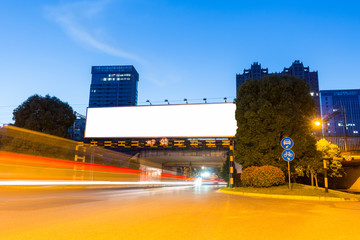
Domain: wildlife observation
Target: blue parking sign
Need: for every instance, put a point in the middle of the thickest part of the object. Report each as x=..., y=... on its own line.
x=287, y=143
x=288, y=155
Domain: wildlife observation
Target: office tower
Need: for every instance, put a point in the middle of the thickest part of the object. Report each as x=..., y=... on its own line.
x=113, y=86
x=340, y=110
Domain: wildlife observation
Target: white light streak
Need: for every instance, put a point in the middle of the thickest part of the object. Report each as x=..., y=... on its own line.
x=84, y=183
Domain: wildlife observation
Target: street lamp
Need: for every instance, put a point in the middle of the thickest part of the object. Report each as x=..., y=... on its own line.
x=225, y=98
x=186, y=101
x=167, y=101
x=319, y=123
x=148, y=102
x=205, y=100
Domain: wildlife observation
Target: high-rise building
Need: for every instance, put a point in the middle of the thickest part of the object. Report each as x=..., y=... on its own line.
x=297, y=69
x=340, y=110
x=113, y=86
x=255, y=72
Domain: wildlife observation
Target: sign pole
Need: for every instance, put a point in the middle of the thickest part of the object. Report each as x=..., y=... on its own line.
x=288, y=155
x=289, y=175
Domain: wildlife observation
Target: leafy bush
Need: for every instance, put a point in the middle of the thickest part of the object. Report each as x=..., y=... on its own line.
x=265, y=176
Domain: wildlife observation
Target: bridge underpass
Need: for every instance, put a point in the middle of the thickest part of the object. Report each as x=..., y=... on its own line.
x=186, y=157
x=171, y=154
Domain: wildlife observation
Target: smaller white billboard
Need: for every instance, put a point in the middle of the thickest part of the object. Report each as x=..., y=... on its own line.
x=181, y=121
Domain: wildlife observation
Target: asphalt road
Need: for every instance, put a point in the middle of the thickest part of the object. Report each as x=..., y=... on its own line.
x=169, y=213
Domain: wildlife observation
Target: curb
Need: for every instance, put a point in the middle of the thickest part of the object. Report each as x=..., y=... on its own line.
x=294, y=197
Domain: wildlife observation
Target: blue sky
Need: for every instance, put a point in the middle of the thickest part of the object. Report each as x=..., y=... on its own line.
x=181, y=49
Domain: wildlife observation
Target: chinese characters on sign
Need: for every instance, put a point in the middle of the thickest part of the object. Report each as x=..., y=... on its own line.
x=160, y=143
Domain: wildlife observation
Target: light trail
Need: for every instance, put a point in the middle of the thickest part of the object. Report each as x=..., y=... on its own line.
x=30, y=158
x=62, y=183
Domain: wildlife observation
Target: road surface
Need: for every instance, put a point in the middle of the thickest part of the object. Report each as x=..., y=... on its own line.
x=169, y=213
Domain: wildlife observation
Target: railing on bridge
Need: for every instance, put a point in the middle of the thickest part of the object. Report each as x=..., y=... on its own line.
x=352, y=143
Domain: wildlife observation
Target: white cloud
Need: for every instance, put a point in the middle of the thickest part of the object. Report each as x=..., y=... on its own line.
x=75, y=17
x=69, y=17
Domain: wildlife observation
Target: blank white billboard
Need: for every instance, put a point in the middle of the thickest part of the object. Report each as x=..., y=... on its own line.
x=181, y=121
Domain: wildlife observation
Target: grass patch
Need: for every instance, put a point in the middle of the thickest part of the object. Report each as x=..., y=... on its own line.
x=297, y=189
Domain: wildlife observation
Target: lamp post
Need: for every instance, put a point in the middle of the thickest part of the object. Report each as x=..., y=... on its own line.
x=148, y=102
x=167, y=101
x=205, y=100
x=185, y=100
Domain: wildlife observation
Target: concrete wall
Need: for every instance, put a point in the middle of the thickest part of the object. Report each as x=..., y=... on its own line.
x=351, y=180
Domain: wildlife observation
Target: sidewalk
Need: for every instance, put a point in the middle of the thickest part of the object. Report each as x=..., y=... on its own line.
x=295, y=197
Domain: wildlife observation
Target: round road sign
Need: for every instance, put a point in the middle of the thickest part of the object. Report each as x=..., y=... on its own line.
x=288, y=155
x=287, y=143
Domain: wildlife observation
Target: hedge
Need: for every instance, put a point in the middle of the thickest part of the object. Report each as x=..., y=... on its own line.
x=264, y=176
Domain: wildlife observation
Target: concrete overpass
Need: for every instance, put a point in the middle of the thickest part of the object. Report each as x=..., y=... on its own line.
x=170, y=135
x=182, y=157
x=176, y=152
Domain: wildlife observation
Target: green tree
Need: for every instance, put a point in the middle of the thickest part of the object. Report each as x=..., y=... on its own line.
x=225, y=170
x=310, y=163
x=332, y=151
x=44, y=114
x=268, y=110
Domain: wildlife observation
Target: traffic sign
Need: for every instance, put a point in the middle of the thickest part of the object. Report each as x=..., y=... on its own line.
x=164, y=142
x=288, y=155
x=347, y=157
x=287, y=143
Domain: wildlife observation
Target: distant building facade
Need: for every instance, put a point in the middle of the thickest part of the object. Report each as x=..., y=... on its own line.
x=297, y=69
x=340, y=108
x=255, y=72
x=113, y=86
x=77, y=130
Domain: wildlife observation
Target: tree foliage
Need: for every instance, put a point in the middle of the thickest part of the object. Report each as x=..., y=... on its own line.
x=225, y=170
x=44, y=114
x=329, y=150
x=269, y=110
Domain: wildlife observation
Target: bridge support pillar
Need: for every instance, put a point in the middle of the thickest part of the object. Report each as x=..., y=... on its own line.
x=231, y=164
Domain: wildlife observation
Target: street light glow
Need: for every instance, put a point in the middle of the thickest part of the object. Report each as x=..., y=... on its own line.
x=317, y=123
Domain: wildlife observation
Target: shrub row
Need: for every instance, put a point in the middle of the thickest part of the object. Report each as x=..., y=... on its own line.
x=264, y=176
